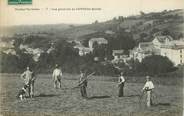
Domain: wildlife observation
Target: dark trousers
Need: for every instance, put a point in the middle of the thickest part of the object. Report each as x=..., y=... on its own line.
x=83, y=91
x=121, y=90
x=57, y=82
x=31, y=89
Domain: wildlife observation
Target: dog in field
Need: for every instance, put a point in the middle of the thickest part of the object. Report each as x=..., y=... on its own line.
x=22, y=93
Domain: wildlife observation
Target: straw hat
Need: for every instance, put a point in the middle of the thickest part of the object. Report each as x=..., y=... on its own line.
x=147, y=77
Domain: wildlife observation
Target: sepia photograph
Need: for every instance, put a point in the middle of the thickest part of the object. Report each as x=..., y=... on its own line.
x=91, y=57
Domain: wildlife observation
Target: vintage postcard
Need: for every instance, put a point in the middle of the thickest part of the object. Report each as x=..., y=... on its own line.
x=91, y=57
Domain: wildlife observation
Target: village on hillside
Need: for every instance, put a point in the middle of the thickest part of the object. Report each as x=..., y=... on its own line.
x=160, y=45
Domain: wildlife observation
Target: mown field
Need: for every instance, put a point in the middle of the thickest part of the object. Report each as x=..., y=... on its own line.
x=102, y=97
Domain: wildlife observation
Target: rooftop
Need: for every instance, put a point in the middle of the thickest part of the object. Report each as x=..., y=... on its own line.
x=145, y=44
x=175, y=47
x=175, y=44
x=83, y=48
x=118, y=51
x=98, y=39
x=163, y=38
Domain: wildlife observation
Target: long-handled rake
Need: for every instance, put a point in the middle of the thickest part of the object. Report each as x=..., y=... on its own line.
x=141, y=96
x=154, y=98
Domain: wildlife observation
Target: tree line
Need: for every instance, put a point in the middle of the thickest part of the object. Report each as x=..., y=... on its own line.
x=65, y=55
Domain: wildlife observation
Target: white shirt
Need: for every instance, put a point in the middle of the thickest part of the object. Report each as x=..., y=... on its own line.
x=121, y=79
x=149, y=85
x=57, y=72
x=27, y=76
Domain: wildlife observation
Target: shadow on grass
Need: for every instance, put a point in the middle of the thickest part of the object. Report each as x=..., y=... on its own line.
x=46, y=95
x=161, y=104
x=98, y=97
x=132, y=95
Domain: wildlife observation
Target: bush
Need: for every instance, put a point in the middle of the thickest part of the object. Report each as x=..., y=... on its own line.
x=13, y=64
x=8, y=63
x=103, y=69
x=156, y=64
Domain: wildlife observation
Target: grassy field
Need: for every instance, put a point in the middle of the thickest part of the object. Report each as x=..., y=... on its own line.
x=102, y=93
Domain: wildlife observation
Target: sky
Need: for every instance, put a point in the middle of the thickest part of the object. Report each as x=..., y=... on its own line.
x=13, y=15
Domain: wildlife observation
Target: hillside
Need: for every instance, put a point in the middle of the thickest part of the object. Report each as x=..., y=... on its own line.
x=29, y=29
x=171, y=20
x=142, y=26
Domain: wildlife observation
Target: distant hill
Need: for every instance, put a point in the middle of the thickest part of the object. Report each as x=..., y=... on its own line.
x=29, y=29
x=143, y=24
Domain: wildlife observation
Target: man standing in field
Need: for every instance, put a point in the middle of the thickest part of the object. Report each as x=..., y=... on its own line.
x=57, y=74
x=121, y=83
x=148, y=88
x=83, y=84
x=29, y=79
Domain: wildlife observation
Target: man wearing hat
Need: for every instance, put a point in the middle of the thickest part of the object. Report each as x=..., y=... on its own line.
x=148, y=88
x=57, y=73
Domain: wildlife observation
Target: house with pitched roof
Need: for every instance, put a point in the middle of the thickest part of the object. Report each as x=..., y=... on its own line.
x=161, y=45
x=98, y=40
x=161, y=40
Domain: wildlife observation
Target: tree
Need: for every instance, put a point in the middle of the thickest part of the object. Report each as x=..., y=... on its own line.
x=9, y=63
x=96, y=22
x=180, y=35
x=64, y=55
x=16, y=63
x=142, y=13
x=122, y=41
x=154, y=30
x=156, y=64
x=143, y=35
x=166, y=32
x=100, y=51
x=121, y=18
x=95, y=44
x=25, y=60
x=114, y=19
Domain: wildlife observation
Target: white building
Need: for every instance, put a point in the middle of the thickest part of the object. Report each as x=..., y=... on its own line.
x=7, y=47
x=143, y=50
x=161, y=45
x=174, y=51
x=10, y=51
x=82, y=50
x=98, y=40
x=109, y=32
x=120, y=56
x=36, y=52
